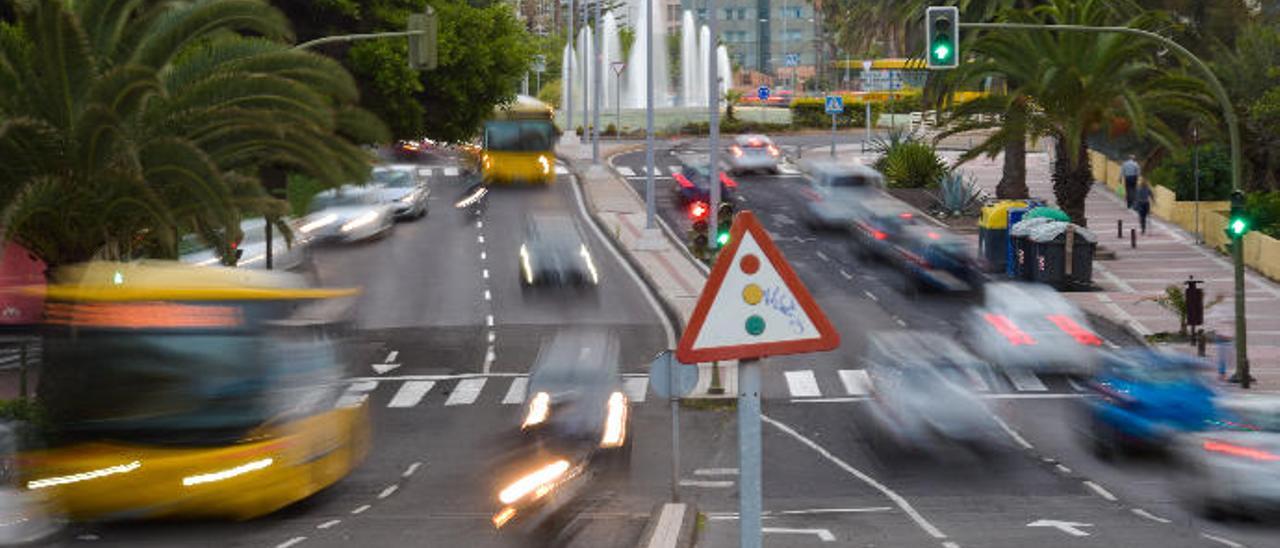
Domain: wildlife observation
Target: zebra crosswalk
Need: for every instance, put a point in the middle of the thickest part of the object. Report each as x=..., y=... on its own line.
x=669, y=171
x=802, y=384
x=456, y=391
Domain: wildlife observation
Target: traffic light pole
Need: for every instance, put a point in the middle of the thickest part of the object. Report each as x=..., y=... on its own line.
x=1233, y=128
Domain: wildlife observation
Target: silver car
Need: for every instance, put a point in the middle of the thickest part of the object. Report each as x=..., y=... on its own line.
x=252, y=249
x=403, y=188
x=753, y=153
x=554, y=253
x=1031, y=326
x=839, y=191
x=1236, y=469
x=347, y=214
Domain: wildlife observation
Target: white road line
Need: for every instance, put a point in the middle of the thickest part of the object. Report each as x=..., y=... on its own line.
x=488, y=320
x=291, y=542
x=1222, y=541
x=1038, y=396
x=713, y=484
x=823, y=534
x=479, y=223
x=900, y=322
x=515, y=394
x=424, y=172
x=489, y=357
x=492, y=336
x=1150, y=516
x=466, y=392
x=788, y=169
x=950, y=544
x=626, y=171
x=856, y=382
x=871, y=295
x=1062, y=468
x=487, y=295
x=897, y=499
x=1102, y=492
x=1024, y=380
x=411, y=393
x=391, y=356
x=361, y=509
x=846, y=275
x=450, y=172
x=485, y=273
x=671, y=169
x=329, y=524
x=391, y=489
x=480, y=238
x=716, y=472
x=636, y=388
x=483, y=255
x=802, y=384
x=1013, y=433
x=822, y=256
x=411, y=469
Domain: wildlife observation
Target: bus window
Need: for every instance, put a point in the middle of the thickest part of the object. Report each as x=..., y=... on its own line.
x=519, y=136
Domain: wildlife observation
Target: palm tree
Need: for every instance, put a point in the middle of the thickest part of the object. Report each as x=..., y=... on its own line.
x=127, y=124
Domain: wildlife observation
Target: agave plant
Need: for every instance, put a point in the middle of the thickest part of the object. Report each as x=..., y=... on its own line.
x=959, y=195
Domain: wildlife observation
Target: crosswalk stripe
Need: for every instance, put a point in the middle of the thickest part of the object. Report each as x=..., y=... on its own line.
x=788, y=169
x=626, y=171
x=856, y=382
x=636, y=388
x=515, y=394
x=466, y=392
x=561, y=170
x=424, y=172
x=802, y=384
x=450, y=172
x=411, y=393
x=356, y=393
x=1024, y=380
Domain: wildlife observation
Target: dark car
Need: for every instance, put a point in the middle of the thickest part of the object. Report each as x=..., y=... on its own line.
x=934, y=258
x=879, y=225
x=554, y=253
x=693, y=184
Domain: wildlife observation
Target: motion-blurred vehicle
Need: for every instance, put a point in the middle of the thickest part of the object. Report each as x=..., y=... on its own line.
x=1146, y=398
x=412, y=149
x=251, y=249
x=839, y=192
x=578, y=416
x=347, y=214
x=1234, y=469
x=693, y=184
x=519, y=143
x=176, y=391
x=1031, y=326
x=401, y=187
x=27, y=516
x=880, y=223
x=554, y=253
x=924, y=390
x=934, y=258
x=753, y=153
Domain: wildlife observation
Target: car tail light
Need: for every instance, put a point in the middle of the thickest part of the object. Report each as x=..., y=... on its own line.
x=1214, y=446
x=934, y=236
x=736, y=150
x=698, y=210
x=905, y=215
x=878, y=235
x=1079, y=333
x=728, y=181
x=773, y=151
x=1002, y=324
x=683, y=181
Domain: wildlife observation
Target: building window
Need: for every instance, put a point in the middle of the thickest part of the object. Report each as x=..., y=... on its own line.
x=742, y=13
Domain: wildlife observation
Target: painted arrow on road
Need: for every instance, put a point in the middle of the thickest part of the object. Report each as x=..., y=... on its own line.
x=383, y=368
x=1069, y=527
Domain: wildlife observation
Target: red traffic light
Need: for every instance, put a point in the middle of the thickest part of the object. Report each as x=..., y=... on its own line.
x=698, y=210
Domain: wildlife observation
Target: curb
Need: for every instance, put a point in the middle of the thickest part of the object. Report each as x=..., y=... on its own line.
x=671, y=525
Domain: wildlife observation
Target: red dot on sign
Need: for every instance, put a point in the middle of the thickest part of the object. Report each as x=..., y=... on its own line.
x=749, y=264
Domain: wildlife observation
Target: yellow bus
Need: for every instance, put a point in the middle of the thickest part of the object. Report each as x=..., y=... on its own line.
x=177, y=391
x=519, y=143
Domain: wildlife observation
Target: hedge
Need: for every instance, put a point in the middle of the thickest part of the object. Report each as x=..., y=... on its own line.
x=811, y=112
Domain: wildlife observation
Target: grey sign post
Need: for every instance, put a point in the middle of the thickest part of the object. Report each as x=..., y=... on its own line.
x=750, y=495
x=539, y=67
x=673, y=381
x=835, y=106
x=866, y=70
x=618, y=67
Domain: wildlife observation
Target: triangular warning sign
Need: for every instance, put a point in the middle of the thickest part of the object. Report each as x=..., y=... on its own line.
x=753, y=305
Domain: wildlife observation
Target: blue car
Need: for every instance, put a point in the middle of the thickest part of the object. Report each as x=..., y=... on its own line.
x=1145, y=399
x=693, y=185
x=935, y=259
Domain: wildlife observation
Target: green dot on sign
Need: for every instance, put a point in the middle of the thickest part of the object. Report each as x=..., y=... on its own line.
x=755, y=325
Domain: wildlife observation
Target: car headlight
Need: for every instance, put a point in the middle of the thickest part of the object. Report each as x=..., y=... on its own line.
x=591, y=265
x=406, y=198
x=615, y=423
x=318, y=223
x=539, y=408
x=363, y=220
x=538, y=482
x=545, y=163
x=524, y=264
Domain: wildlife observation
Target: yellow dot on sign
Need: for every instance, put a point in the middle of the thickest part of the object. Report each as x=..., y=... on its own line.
x=752, y=294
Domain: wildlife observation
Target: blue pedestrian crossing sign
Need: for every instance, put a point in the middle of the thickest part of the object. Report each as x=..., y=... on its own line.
x=792, y=59
x=835, y=104
x=763, y=93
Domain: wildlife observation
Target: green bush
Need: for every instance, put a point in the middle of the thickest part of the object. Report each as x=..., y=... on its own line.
x=908, y=161
x=1177, y=174
x=811, y=112
x=30, y=420
x=550, y=93
x=1263, y=209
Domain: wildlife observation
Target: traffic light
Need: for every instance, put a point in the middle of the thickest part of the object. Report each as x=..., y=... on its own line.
x=1238, y=223
x=942, y=29
x=424, y=46
x=724, y=218
x=698, y=211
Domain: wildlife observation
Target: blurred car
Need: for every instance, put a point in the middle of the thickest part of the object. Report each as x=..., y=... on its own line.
x=838, y=191
x=934, y=258
x=554, y=252
x=753, y=153
x=412, y=149
x=924, y=389
x=1234, y=469
x=693, y=184
x=401, y=187
x=251, y=249
x=578, y=418
x=1146, y=398
x=1031, y=326
x=879, y=224
x=347, y=214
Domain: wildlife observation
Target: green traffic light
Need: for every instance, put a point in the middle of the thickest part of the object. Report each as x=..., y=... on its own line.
x=722, y=238
x=941, y=52
x=1239, y=226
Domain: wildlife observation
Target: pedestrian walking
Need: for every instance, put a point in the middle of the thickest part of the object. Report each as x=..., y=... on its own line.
x=1142, y=204
x=1130, y=170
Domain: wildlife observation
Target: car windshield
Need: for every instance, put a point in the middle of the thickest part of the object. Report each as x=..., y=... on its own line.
x=519, y=135
x=850, y=181
x=393, y=178
x=338, y=199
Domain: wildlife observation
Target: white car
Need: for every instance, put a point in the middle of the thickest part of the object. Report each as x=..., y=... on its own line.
x=1236, y=469
x=839, y=191
x=252, y=249
x=403, y=188
x=753, y=153
x=1031, y=326
x=347, y=214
